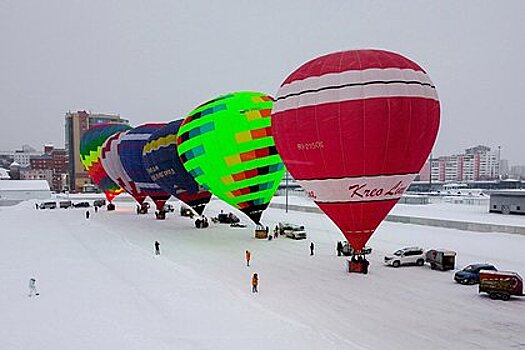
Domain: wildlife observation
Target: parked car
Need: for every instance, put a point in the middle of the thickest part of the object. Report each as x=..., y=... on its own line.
x=441, y=259
x=348, y=250
x=65, y=204
x=282, y=226
x=470, y=274
x=48, y=205
x=81, y=205
x=99, y=203
x=224, y=218
x=500, y=284
x=185, y=211
x=295, y=234
x=406, y=256
x=291, y=230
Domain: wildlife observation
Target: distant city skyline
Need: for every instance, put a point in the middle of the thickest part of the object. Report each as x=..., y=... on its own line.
x=156, y=61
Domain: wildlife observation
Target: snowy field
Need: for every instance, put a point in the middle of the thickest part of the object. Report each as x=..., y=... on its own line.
x=102, y=287
x=448, y=211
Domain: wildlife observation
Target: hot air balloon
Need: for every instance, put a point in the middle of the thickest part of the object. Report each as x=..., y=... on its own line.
x=111, y=162
x=354, y=128
x=130, y=152
x=90, y=147
x=165, y=168
x=227, y=146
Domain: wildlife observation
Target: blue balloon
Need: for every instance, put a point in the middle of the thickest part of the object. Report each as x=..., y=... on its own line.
x=165, y=168
x=130, y=153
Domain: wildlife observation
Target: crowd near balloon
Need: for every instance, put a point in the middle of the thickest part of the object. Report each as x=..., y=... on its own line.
x=353, y=128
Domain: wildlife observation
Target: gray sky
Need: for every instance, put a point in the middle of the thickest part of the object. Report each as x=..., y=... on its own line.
x=157, y=60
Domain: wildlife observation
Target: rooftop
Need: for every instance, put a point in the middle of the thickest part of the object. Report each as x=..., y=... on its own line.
x=24, y=185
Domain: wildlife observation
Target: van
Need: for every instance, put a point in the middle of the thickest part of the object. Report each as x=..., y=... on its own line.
x=99, y=202
x=48, y=205
x=65, y=204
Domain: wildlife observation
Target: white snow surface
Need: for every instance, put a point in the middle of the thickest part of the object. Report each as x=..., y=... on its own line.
x=24, y=185
x=447, y=211
x=101, y=287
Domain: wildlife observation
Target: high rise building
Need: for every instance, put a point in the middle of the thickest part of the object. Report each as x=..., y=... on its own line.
x=477, y=163
x=76, y=125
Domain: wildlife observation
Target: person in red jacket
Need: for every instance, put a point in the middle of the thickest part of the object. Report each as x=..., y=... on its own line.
x=248, y=257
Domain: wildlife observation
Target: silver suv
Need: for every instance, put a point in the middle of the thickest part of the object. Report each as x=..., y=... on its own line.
x=406, y=256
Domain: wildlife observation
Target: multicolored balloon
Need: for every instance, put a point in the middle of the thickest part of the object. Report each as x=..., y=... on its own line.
x=226, y=144
x=111, y=162
x=354, y=128
x=130, y=152
x=90, y=149
x=165, y=168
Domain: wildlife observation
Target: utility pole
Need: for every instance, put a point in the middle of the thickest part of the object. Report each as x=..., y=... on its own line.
x=430, y=171
x=286, y=189
x=499, y=162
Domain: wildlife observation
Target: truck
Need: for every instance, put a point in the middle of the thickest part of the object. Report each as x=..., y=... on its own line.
x=441, y=259
x=500, y=284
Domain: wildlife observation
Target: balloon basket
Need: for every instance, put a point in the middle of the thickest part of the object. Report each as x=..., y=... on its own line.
x=110, y=207
x=261, y=234
x=357, y=264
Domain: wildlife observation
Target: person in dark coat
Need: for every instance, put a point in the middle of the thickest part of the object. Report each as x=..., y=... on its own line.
x=255, y=283
x=96, y=208
x=339, y=248
x=157, y=248
x=311, y=248
x=87, y=214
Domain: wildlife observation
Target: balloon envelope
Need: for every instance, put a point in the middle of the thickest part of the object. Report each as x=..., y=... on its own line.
x=354, y=128
x=226, y=144
x=165, y=168
x=90, y=148
x=111, y=162
x=130, y=152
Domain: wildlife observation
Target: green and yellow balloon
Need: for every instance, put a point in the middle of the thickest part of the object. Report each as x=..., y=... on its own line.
x=226, y=144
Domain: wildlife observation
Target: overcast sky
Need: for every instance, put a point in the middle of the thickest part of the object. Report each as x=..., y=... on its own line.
x=157, y=60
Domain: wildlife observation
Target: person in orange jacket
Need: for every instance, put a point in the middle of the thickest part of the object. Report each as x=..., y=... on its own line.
x=255, y=283
x=248, y=256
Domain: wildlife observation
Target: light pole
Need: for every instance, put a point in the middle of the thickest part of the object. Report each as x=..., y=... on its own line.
x=286, y=190
x=430, y=172
x=499, y=162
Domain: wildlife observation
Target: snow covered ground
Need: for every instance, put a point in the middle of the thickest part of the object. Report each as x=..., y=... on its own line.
x=102, y=287
x=448, y=211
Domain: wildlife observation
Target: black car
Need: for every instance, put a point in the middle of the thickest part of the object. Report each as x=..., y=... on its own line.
x=470, y=274
x=81, y=205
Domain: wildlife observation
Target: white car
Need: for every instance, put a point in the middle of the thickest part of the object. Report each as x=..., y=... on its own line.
x=292, y=231
x=406, y=256
x=295, y=234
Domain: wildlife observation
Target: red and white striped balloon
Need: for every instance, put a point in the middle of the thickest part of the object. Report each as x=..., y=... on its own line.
x=354, y=128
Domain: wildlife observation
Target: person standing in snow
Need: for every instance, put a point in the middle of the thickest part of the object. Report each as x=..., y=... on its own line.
x=36, y=206
x=255, y=283
x=339, y=248
x=248, y=257
x=32, y=288
x=311, y=248
x=87, y=214
x=96, y=208
x=157, y=248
